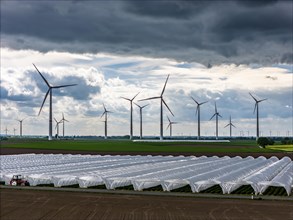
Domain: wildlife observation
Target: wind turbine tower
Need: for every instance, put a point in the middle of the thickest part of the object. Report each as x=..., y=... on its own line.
x=140, y=116
x=63, y=120
x=131, y=110
x=162, y=102
x=20, y=126
x=257, y=113
x=14, y=130
x=170, y=125
x=230, y=124
x=106, y=120
x=50, y=89
x=198, y=116
x=217, y=114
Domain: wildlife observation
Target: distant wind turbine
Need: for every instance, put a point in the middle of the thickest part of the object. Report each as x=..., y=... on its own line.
x=6, y=130
x=217, y=114
x=162, y=102
x=14, y=130
x=230, y=124
x=20, y=126
x=170, y=125
x=257, y=114
x=50, y=88
x=140, y=116
x=106, y=120
x=198, y=116
x=57, y=126
x=63, y=120
x=131, y=110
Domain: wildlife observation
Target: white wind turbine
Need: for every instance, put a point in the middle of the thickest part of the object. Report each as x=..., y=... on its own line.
x=161, y=111
x=140, y=116
x=50, y=89
x=198, y=116
x=131, y=110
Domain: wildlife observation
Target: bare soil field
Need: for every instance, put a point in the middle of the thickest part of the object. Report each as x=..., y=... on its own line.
x=32, y=205
x=5, y=151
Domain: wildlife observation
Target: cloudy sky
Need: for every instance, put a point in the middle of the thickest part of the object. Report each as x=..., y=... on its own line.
x=215, y=51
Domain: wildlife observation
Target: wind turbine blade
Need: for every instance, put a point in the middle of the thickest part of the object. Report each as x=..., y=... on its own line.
x=62, y=86
x=44, y=100
x=134, y=96
x=196, y=110
x=165, y=85
x=203, y=103
x=137, y=105
x=125, y=98
x=212, y=116
x=168, y=119
x=227, y=125
x=65, y=120
x=104, y=107
x=167, y=106
x=262, y=100
x=157, y=97
x=145, y=106
x=55, y=120
x=63, y=116
x=233, y=125
x=103, y=114
x=194, y=100
x=220, y=115
x=216, y=108
x=168, y=126
x=42, y=76
x=254, y=107
x=109, y=112
x=253, y=97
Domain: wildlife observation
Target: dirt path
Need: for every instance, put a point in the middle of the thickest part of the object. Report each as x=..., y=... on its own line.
x=31, y=205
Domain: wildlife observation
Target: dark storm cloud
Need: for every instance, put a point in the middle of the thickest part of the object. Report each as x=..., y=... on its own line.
x=201, y=31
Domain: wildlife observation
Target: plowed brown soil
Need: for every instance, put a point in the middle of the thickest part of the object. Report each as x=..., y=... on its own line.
x=32, y=205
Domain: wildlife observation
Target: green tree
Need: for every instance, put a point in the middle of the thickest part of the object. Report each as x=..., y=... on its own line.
x=263, y=141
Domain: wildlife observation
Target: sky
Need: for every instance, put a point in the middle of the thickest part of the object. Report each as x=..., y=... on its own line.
x=215, y=51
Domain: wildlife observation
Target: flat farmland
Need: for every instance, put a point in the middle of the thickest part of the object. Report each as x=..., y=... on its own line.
x=33, y=205
x=122, y=147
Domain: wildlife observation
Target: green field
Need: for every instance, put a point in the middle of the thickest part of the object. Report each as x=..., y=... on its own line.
x=286, y=148
x=247, y=146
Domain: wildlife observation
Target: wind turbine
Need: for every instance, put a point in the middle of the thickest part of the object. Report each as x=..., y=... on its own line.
x=257, y=114
x=170, y=125
x=131, y=109
x=6, y=130
x=230, y=124
x=140, y=116
x=217, y=114
x=198, y=116
x=57, y=126
x=20, y=126
x=162, y=102
x=14, y=130
x=63, y=121
x=50, y=88
x=106, y=119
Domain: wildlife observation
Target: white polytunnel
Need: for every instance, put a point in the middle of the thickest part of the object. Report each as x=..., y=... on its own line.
x=143, y=172
x=283, y=179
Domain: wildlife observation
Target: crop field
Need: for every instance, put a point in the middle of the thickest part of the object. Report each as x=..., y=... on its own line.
x=129, y=146
x=286, y=148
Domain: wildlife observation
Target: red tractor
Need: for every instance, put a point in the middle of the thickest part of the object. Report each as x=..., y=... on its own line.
x=18, y=180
